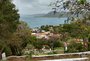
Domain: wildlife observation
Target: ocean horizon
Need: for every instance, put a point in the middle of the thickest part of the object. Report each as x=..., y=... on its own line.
x=34, y=22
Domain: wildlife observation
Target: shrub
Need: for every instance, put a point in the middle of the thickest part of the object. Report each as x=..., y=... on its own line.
x=75, y=47
x=8, y=51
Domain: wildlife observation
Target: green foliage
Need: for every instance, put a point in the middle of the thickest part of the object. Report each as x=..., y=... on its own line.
x=38, y=44
x=8, y=51
x=51, y=53
x=77, y=8
x=47, y=27
x=29, y=57
x=57, y=44
x=76, y=30
x=79, y=26
x=49, y=43
x=81, y=1
x=20, y=38
x=9, y=18
x=88, y=46
x=2, y=44
x=73, y=30
x=75, y=47
x=29, y=46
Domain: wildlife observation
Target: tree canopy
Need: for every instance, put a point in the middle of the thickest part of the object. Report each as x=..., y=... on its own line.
x=9, y=18
x=77, y=8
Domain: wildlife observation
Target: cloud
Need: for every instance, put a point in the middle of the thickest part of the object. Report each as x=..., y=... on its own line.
x=32, y=6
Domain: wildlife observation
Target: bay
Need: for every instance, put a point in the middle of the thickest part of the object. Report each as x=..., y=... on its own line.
x=34, y=22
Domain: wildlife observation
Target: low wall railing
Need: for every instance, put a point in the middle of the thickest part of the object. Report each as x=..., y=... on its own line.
x=51, y=57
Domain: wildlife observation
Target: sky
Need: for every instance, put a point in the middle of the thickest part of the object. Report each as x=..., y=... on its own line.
x=29, y=7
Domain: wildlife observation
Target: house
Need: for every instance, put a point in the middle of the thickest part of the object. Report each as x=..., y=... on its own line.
x=41, y=35
x=45, y=34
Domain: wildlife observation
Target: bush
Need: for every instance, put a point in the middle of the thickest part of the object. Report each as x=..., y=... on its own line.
x=88, y=46
x=8, y=51
x=75, y=47
x=51, y=53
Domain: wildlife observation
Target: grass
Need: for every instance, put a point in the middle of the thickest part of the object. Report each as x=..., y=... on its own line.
x=60, y=48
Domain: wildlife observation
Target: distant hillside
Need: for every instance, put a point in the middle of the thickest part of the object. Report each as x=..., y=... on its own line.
x=38, y=15
x=58, y=14
x=51, y=14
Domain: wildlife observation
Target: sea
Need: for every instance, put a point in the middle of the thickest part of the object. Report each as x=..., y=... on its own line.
x=37, y=22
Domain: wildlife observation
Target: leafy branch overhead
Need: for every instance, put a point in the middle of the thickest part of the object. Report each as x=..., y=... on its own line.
x=78, y=8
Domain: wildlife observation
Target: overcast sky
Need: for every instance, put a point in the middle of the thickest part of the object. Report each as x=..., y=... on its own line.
x=29, y=7
x=33, y=6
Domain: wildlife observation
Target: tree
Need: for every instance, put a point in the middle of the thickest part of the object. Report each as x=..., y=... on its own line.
x=20, y=38
x=9, y=20
x=75, y=47
x=77, y=8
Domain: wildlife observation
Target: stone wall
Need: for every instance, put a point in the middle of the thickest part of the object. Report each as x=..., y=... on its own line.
x=48, y=57
x=16, y=58
x=57, y=57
